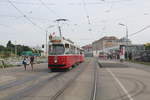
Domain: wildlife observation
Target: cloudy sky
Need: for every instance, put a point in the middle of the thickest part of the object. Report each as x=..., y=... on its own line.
x=25, y=21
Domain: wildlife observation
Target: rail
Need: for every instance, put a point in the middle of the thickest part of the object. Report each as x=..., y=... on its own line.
x=94, y=92
x=68, y=84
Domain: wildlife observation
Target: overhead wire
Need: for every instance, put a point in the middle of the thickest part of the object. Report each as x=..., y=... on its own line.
x=25, y=16
x=86, y=11
x=45, y=5
x=140, y=30
x=26, y=3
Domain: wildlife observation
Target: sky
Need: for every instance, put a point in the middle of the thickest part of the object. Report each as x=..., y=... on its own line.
x=26, y=21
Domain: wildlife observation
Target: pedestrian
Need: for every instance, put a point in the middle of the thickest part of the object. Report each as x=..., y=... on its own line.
x=32, y=61
x=24, y=62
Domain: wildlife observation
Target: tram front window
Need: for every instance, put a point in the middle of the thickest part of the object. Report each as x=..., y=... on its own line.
x=57, y=50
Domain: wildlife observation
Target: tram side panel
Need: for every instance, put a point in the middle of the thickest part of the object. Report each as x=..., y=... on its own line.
x=61, y=61
x=64, y=61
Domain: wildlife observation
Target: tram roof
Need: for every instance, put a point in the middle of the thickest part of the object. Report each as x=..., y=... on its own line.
x=62, y=40
x=57, y=39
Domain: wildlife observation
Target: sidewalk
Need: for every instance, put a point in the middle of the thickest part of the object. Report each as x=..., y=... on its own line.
x=129, y=64
x=108, y=61
x=135, y=64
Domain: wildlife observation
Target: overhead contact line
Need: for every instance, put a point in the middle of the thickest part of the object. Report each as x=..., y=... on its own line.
x=45, y=5
x=25, y=16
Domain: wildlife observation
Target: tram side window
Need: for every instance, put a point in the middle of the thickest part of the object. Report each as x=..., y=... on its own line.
x=72, y=50
x=66, y=45
x=78, y=51
x=67, y=51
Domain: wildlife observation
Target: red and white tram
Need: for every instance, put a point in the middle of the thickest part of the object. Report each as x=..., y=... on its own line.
x=63, y=54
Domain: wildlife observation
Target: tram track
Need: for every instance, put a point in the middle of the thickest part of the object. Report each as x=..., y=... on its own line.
x=50, y=81
x=67, y=85
x=94, y=91
x=26, y=91
x=20, y=82
x=138, y=86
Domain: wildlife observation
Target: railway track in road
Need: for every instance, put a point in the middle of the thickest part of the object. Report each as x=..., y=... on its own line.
x=94, y=92
x=25, y=91
x=50, y=82
x=21, y=82
x=68, y=84
x=138, y=86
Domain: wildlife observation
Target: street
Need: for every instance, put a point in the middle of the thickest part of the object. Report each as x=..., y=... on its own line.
x=121, y=82
x=91, y=80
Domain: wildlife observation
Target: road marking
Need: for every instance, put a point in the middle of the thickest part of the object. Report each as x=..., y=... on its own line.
x=120, y=84
x=95, y=86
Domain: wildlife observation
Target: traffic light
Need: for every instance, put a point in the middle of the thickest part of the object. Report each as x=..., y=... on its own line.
x=42, y=45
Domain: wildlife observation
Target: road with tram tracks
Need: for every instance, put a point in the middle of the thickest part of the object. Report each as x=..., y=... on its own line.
x=92, y=80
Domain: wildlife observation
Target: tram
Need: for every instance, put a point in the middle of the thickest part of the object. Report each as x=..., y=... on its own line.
x=63, y=53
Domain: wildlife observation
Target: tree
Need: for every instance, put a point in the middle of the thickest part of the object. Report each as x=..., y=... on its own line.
x=26, y=48
x=147, y=46
x=2, y=48
x=10, y=45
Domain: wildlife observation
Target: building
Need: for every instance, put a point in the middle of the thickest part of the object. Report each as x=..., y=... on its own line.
x=108, y=43
x=103, y=43
x=124, y=41
x=88, y=50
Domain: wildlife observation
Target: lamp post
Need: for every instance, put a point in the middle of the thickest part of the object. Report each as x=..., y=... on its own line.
x=16, y=48
x=125, y=25
x=46, y=31
x=126, y=29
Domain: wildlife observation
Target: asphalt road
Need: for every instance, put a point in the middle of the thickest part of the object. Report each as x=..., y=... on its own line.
x=119, y=81
x=113, y=81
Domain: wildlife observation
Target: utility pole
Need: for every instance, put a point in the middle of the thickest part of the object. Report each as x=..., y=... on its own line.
x=126, y=31
x=126, y=37
x=15, y=49
x=46, y=43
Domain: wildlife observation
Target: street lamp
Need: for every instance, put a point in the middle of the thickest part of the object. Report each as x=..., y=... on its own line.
x=46, y=38
x=15, y=48
x=126, y=36
x=126, y=29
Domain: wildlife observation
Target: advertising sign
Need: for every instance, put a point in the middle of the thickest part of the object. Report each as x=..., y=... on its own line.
x=122, y=52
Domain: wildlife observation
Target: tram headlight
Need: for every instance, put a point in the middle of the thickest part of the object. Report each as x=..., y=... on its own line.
x=55, y=61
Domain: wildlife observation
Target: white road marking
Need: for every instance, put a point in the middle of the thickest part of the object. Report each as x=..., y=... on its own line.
x=95, y=87
x=120, y=84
